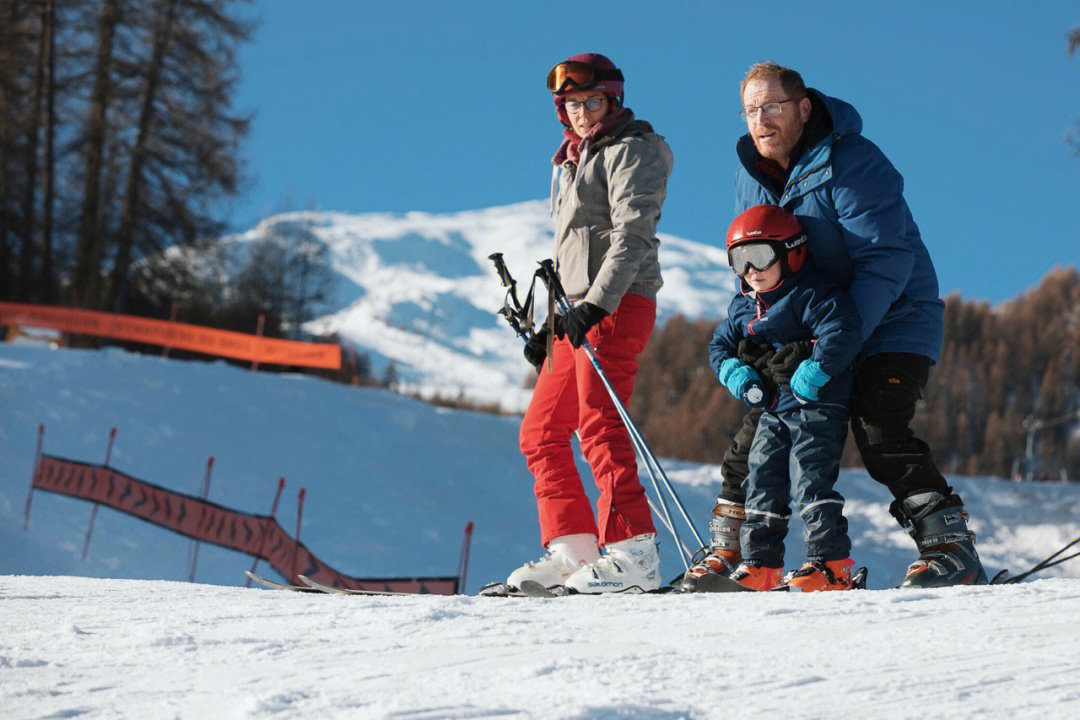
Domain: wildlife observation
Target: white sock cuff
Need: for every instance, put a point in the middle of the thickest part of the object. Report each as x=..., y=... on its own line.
x=579, y=548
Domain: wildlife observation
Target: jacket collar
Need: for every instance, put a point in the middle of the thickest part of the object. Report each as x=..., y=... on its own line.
x=609, y=128
x=772, y=296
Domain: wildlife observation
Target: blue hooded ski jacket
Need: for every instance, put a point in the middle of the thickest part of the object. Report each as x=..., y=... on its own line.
x=806, y=305
x=850, y=200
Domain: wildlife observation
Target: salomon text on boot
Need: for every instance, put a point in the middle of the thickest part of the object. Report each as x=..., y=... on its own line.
x=947, y=553
x=724, y=553
x=631, y=565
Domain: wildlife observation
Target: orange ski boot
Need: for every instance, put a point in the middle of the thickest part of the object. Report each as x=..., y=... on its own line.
x=818, y=575
x=724, y=553
x=755, y=577
x=717, y=562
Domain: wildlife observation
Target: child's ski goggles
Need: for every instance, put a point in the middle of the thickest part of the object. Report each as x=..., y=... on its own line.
x=760, y=256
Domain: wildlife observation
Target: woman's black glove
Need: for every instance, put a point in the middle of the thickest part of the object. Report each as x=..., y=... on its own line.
x=576, y=323
x=536, y=347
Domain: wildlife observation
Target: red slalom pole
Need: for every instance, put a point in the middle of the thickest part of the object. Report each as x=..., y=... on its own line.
x=463, y=562
x=37, y=461
x=93, y=510
x=193, y=553
x=273, y=512
x=299, y=516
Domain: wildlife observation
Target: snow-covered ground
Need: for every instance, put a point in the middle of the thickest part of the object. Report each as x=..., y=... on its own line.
x=75, y=647
x=390, y=484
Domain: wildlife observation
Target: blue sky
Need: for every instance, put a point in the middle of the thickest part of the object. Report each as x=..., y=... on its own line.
x=440, y=107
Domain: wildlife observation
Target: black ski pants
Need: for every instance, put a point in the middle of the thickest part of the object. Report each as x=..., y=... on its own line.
x=887, y=387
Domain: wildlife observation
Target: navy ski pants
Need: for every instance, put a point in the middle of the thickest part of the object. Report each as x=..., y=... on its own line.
x=795, y=454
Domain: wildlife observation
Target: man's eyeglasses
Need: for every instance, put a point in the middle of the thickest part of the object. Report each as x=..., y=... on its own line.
x=592, y=105
x=767, y=110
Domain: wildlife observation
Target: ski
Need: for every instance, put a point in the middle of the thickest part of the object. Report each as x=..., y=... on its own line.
x=531, y=588
x=495, y=589
x=499, y=589
x=331, y=590
x=713, y=583
x=722, y=583
x=858, y=582
x=278, y=586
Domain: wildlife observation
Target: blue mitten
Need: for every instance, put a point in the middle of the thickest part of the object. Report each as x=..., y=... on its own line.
x=743, y=382
x=807, y=380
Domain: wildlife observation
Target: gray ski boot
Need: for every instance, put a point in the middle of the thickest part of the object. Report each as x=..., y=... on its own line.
x=724, y=554
x=947, y=553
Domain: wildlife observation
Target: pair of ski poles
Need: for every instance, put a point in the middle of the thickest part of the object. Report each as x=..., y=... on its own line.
x=522, y=324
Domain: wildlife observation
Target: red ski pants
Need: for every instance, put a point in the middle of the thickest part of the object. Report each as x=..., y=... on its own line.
x=570, y=396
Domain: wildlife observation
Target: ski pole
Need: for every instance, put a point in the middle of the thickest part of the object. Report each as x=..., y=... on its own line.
x=518, y=316
x=652, y=464
x=1042, y=565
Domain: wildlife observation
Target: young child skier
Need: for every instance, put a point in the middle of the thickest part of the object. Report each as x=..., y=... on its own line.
x=783, y=302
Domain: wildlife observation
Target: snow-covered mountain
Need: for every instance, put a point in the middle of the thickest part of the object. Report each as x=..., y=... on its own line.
x=418, y=289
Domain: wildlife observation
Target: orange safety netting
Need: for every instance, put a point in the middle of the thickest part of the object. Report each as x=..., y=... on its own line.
x=257, y=535
x=182, y=336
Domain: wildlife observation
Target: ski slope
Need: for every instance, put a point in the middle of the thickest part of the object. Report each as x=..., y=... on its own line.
x=390, y=484
x=75, y=647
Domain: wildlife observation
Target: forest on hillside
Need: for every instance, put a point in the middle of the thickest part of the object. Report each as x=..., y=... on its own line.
x=1001, y=368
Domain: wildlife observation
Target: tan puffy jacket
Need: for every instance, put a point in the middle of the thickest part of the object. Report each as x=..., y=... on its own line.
x=606, y=208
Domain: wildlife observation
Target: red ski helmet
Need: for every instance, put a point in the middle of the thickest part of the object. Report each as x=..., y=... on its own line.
x=587, y=71
x=764, y=234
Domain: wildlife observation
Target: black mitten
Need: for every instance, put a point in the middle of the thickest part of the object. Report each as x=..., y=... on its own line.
x=785, y=360
x=576, y=323
x=751, y=352
x=536, y=347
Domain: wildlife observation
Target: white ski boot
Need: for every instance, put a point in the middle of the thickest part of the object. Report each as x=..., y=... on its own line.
x=628, y=565
x=565, y=555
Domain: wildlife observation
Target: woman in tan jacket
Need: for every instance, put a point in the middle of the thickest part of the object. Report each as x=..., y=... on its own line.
x=609, y=183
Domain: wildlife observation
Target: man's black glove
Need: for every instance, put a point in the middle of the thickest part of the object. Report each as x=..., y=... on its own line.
x=536, y=347
x=574, y=324
x=754, y=354
x=783, y=363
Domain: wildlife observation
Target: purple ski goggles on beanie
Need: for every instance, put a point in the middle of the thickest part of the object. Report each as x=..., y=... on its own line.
x=573, y=75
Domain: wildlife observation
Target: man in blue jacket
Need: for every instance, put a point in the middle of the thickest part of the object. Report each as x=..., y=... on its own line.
x=804, y=151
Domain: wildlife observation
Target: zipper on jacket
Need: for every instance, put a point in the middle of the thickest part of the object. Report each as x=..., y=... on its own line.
x=758, y=304
x=794, y=182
